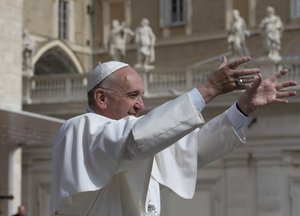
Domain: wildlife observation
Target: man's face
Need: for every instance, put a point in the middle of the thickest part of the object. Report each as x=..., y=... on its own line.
x=125, y=98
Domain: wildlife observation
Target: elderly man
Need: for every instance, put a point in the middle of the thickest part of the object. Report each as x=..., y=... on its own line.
x=110, y=162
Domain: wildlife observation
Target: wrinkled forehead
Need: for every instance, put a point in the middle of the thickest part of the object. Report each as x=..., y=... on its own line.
x=127, y=77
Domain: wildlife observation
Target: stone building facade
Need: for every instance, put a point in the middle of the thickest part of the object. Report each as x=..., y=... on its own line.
x=10, y=93
x=70, y=37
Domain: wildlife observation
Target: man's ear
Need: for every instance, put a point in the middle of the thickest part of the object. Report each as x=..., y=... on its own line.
x=100, y=99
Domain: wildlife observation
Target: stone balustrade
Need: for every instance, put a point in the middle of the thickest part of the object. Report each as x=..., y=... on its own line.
x=158, y=83
x=54, y=88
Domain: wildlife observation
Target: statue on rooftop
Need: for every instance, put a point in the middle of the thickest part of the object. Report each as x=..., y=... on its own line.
x=272, y=29
x=237, y=35
x=118, y=39
x=145, y=40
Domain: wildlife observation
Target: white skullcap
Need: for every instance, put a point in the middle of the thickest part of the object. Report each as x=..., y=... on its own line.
x=102, y=71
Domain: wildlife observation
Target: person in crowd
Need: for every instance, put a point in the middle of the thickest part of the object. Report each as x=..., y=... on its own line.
x=21, y=211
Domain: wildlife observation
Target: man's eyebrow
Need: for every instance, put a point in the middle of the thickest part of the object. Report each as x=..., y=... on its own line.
x=135, y=91
x=138, y=92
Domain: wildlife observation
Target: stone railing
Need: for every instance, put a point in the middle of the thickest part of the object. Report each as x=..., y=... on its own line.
x=54, y=88
x=72, y=87
x=172, y=82
x=294, y=71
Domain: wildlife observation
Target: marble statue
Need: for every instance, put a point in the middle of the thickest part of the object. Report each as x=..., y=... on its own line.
x=237, y=35
x=272, y=29
x=118, y=39
x=28, y=50
x=145, y=40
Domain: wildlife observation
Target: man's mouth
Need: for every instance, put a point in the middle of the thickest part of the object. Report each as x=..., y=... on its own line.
x=133, y=114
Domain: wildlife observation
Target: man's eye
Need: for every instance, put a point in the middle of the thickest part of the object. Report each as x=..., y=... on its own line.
x=133, y=95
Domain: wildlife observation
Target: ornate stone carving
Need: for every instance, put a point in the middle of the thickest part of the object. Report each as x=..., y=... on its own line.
x=28, y=50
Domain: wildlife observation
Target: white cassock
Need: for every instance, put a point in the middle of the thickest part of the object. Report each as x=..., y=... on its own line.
x=108, y=167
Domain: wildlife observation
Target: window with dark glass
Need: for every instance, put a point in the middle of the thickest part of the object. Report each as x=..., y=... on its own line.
x=63, y=15
x=177, y=11
x=172, y=12
x=295, y=8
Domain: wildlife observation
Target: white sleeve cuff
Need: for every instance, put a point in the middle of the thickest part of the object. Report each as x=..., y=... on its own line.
x=237, y=119
x=197, y=99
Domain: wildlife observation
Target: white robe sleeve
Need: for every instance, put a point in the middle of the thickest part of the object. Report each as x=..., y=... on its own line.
x=218, y=137
x=176, y=166
x=91, y=149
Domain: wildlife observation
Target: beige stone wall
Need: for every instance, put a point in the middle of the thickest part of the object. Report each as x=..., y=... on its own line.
x=97, y=24
x=243, y=8
x=208, y=16
x=208, y=29
x=10, y=55
x=201, y=16
x=80, y=23
x=38, y=17
x=11, y=98
x=290, y=43
x=282, y=9
x=40, y=21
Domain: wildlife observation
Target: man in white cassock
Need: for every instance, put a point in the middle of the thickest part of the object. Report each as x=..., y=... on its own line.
x=110, y=162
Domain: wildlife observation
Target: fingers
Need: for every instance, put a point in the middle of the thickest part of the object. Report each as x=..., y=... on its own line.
x=249, y=82
x=245, y=83
x=245, y=78
x=257, y=82
x=285, y=94
x=279, y=74
x=280, y=101
x=223, y=62
x=285, y=85
x=246, y=72
x=280, y=96
x=283, y=71
x=238, y=62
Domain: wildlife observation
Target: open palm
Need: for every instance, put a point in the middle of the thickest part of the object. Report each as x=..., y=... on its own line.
x=264, y=92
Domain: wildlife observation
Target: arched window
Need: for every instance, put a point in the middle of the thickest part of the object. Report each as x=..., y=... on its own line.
x=54, y=61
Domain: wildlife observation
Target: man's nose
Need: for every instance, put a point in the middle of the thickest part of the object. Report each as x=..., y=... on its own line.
x=139, y=105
